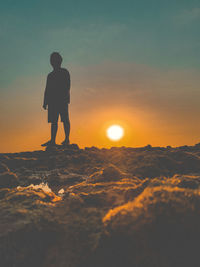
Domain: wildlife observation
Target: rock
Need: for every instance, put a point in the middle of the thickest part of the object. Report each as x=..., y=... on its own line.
x=108, y=173
x=37, y=229
x=61, y=147
x=17, y=162
x=186, y=181
x=93, y=148
x=3, y=168
x=73, y=146
x=8, y=180
x=100, y=207
x=64, y=179
x=28, y=227
x=161, y=225
x=53, y=148
x=3, y=192
x=103, y=194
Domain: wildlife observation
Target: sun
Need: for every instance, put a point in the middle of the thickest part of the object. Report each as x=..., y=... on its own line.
x=115, y=132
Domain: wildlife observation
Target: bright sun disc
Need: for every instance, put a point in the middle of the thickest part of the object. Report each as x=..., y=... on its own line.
x=115, y=132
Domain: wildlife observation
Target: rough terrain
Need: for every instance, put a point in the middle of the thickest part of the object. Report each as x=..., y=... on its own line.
x=71, y=207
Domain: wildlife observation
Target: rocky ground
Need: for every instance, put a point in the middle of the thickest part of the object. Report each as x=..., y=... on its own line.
x=95, y=207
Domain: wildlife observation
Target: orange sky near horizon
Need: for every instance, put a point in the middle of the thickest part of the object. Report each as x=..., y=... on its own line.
x=90, y=130
x=153, y=106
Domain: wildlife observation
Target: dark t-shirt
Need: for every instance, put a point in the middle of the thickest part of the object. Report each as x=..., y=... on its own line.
x=57, y=91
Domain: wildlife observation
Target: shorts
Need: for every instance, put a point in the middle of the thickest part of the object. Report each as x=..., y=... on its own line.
x=54, y=111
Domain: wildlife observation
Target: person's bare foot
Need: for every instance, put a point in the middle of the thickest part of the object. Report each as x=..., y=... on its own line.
x=65, y=142
x=49, y=143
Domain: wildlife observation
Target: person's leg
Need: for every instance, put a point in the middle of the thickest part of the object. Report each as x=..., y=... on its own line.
x=53, y=119
x=54, y=128
x=66, y=125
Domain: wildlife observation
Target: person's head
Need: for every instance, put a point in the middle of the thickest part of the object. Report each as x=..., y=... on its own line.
x=55, y=60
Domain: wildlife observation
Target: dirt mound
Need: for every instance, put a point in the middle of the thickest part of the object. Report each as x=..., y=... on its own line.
x=159, y=228
x=100, y=207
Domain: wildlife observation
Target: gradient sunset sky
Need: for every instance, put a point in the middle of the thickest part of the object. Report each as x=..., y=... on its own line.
x=135, y=63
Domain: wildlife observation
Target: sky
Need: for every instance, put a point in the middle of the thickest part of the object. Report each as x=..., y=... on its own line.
x=134, y=63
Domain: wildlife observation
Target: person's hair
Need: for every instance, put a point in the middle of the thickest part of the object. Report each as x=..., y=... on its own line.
x=55, y=59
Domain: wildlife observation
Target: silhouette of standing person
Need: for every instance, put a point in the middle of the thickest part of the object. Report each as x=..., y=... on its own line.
x=57, y=98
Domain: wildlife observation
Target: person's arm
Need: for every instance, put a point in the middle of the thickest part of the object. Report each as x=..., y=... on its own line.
x=45, y=102
x=68, y=81
x=68, y=86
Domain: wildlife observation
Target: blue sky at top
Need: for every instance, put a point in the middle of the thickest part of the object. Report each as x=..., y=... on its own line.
x=164, y=34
